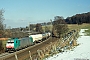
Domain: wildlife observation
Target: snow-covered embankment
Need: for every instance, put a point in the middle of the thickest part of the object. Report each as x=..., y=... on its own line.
x=81, y=52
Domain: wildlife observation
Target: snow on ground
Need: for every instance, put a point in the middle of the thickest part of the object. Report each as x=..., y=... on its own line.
x=81, y=52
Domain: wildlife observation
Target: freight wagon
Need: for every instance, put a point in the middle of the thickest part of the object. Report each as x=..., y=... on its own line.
x=40, y=37
x=36, y=37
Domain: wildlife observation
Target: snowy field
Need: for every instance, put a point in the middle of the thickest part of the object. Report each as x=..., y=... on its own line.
x=81, y=52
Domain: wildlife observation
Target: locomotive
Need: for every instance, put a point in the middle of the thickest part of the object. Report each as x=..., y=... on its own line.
x=17, y=44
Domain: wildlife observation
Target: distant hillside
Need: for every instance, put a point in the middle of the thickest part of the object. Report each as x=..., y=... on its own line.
x=78, y=18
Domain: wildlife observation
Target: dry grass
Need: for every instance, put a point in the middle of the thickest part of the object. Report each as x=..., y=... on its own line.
x=76, y=26
x=48, y=26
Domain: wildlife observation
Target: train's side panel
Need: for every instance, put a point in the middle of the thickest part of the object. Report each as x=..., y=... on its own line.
x=21, y=43
x=24, y=42
x=27, y=41
x=49, y=33
x=44, y=35
x=36, y=37
x=39, y=37
x=16, y=43
x=30, y=40
x=33, y=37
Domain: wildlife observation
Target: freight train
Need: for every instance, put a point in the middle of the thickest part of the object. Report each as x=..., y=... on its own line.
x=17, y=44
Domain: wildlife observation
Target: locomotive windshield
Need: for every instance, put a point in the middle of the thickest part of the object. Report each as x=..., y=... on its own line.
x=10, y=41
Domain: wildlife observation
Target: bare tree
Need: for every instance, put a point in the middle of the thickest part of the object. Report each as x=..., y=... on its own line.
x=1, y=19
x=60, y=26
x=1, y=25
x=39, y=28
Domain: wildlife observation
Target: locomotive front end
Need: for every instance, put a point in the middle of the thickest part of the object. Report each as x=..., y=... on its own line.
x=10, y=45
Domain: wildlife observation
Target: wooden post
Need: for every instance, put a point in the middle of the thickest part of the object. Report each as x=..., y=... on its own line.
x=40, y=54
x=16, y=56
x=30, y=55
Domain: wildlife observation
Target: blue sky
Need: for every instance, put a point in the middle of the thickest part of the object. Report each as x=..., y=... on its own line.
x=18, y=13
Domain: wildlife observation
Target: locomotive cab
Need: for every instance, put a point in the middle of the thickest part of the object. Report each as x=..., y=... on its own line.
x=10, y=45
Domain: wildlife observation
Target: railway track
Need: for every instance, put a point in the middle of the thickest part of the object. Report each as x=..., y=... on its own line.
x=4, y=54
x=24, y=53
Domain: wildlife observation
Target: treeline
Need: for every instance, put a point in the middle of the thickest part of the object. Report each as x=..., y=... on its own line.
x=78, y=18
